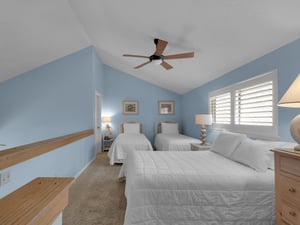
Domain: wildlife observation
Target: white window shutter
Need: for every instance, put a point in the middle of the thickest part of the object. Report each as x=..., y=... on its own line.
x=247, y=107
x=254, y=105
x=221, y=108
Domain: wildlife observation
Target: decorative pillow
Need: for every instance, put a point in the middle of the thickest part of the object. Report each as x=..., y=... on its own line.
x=131, y=128
x=227, y=142
x=256, y=153
x=169, y=128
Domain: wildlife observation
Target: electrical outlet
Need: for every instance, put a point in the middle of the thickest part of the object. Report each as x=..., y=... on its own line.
x=4, y=177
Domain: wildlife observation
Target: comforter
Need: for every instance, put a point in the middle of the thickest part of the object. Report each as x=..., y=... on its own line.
x=195, y=188
x=125, y=143
x=174, y=142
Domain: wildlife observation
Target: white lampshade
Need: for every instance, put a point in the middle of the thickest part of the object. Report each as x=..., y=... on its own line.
x=106, y=119
x=291, y=98
x=203, y=119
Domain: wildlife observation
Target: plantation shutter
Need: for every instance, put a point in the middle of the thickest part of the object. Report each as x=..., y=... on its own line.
x=254, y=105
x=220, y=106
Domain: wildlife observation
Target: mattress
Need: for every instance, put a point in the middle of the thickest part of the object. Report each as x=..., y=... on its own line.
x=173, y=142
x=195, y=188
x=125, y=143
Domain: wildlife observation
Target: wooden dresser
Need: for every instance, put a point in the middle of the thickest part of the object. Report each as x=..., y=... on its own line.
x=287, y=187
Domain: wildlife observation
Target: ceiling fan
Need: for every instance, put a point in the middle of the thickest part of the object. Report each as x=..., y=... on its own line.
x=159, y=58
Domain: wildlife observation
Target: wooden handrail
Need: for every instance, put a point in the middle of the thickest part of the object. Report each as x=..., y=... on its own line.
x=12, y=156
x=38, y=202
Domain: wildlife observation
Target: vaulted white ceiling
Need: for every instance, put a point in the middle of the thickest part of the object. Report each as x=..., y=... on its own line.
x=223, y=34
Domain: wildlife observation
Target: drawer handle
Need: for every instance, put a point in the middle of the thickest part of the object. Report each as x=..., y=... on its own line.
x=292, y=190
x=292, y=213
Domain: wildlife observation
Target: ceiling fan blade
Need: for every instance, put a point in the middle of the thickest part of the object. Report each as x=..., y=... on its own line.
x=160, y=47
x=139, y=56
x=180, y=56
x=167, y=66
x=143, y=64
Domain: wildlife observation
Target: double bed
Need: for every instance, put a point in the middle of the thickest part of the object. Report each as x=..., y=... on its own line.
x=130, y=139
x=168, y=137
x=214, y=187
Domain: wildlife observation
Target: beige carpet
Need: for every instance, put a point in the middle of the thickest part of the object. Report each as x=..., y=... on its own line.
x=96, y=197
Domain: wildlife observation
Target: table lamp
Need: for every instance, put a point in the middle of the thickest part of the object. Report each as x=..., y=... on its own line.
x=203, y=120
x=108, y=128
x=291, y=99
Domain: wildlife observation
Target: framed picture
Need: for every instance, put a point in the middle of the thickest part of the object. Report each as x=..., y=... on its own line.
x=130, y=107
x=165, y=107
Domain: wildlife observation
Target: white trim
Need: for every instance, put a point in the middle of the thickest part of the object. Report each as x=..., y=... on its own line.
x=97, y=122
x=83, y=169
x=252, y=131
x=58, y=220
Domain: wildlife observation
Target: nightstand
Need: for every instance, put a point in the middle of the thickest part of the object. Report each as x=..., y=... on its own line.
x=107, y=142
x=287, y=186
x=199, y=147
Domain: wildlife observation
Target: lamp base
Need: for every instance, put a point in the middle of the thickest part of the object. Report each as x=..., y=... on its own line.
x=295, y=131
x=297, y=148
x=203, y=135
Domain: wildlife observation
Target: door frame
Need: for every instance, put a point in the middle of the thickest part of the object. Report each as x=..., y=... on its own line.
x=97, y=121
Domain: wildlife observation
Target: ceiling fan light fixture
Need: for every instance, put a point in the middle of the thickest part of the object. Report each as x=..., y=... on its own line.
x=156, y=61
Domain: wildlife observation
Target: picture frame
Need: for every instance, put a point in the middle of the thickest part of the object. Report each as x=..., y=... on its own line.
x=166, y=107
x=130, y=107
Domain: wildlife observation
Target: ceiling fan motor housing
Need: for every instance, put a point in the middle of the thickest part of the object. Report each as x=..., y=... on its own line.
x=156, y=57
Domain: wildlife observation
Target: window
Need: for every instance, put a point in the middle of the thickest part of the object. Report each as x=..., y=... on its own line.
x=248, y=107
x=254, y=105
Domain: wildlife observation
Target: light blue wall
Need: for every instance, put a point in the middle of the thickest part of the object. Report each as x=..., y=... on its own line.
x=285, y=60
x=52, y=100
x=98, y=72
x=120, y=86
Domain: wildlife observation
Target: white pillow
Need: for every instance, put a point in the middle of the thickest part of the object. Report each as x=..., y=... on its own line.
x=227, y=142
x=257, y=153
x=169, y=128
x=275, y=144
x=131, y=128
x=253, y=154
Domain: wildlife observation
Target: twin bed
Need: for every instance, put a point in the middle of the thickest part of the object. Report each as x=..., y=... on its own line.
x=232, y=184
x=168, y=137
x=131, y=138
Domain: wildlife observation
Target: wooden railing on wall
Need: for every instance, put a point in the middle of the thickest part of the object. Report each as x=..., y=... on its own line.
x=38, y=202
x=12, y=156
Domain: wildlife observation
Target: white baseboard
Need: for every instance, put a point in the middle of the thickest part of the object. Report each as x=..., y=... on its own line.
x=83, y=169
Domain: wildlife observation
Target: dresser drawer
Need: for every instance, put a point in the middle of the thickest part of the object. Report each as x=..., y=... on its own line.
x=290, y=165
x=290, y=214
x=290, y=189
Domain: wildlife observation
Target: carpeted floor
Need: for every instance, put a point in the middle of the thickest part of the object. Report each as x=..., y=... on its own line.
x=96, y=197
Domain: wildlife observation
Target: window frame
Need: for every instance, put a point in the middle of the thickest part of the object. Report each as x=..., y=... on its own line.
x=256, y=131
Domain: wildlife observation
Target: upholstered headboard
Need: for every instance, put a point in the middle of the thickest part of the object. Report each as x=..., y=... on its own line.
x=121, y=127
x=157, y=127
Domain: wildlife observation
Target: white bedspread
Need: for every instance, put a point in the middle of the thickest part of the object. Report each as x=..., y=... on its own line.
x=174, y=142
x=124, y=143
x=195, y=188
